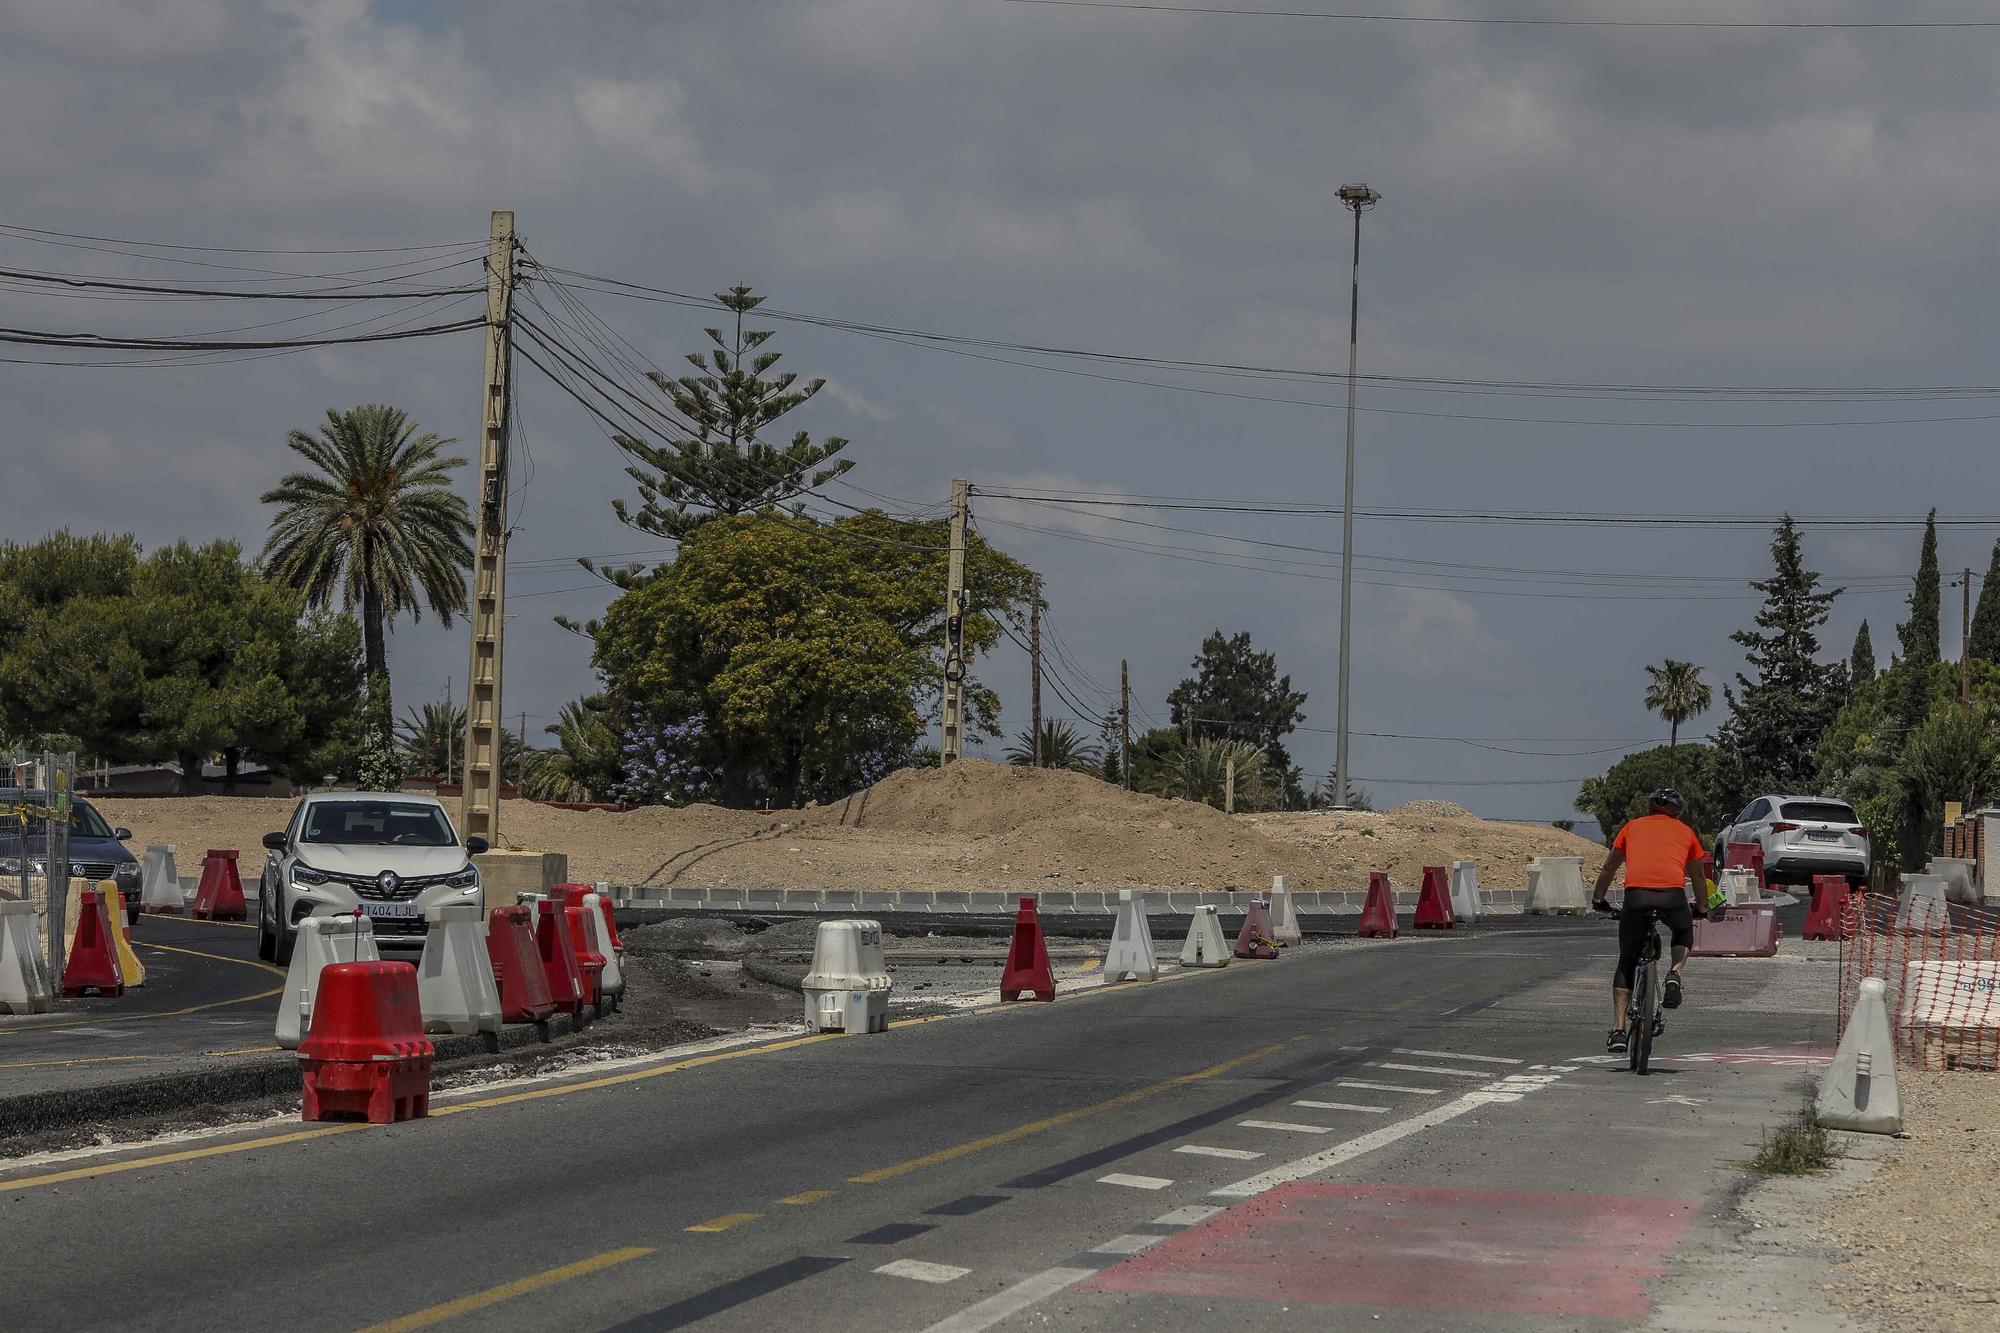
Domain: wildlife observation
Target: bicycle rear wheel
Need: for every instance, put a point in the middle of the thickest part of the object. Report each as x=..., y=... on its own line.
x=1643, y=1010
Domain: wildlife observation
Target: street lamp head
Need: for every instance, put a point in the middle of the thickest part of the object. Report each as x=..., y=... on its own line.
x=1359, y=197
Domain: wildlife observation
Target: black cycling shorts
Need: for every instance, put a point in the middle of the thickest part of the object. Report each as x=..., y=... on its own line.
x=1674, y=909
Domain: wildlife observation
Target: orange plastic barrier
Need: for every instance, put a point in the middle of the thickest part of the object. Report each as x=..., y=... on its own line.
x=517, y=968
x=1826, y=919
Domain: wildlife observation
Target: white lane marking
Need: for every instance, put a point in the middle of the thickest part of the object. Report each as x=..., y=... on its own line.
x=1233, y=1154
x=1342, y=1106
x=1454, y=1055
x=1432, y=1069
x=1286, y=1125
x=1345, y=1152
x=1126, y=1244
x=1134, y=1182
x=918, y=1271
x=1001, y=1305
x=1188, y=1216
x=1385, y=1087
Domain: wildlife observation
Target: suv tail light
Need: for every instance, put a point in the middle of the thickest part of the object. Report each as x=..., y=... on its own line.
x=1784, y=828
x=1859, y=830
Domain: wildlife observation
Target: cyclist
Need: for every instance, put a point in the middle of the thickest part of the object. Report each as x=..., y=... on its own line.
x=1661, y=856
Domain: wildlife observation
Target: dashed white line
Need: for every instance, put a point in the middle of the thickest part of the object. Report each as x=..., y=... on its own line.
x=1134, y=1182
x=1342, y=1106
x=1432, y=1069
x=1126, y=1244
x=1342, y=1152
x=1454, y=1055
x=1286, y=1125
x=1189, y=1216
x=1233, y=1154
x=1002, y=1305
x=1385, y=1087
x=918, y=1271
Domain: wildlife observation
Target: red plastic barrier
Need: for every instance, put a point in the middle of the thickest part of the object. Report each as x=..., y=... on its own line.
x=558, y=961
x=220, y=897
x=1827, y=919
x=1254, y=940
x=589, y=962
x=1378, y=914
x=571, y=895
x=1745, y=856
x=1028, y=971
x=517, y=968
x=1743, y=932
x=1434, y=901
x=92, y=964
x=366, y=1053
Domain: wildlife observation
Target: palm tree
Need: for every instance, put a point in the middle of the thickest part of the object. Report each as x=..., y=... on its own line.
x=1677, y=693
x=432, y=739
x=583, y=763
x=1063, y=746
x=377, y=521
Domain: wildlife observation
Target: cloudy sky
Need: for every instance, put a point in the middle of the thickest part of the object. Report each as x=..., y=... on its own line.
x=1562, y=205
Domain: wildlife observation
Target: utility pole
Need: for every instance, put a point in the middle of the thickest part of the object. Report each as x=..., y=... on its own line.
x=1360, y=199
x=1124, y=724
x=1965, y=644
x=479, y=807
x=450, y=740
x=952, y=742
x=1035, y=657
x=1229, y=785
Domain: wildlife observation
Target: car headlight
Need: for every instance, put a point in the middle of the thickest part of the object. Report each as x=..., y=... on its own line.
x=126, y=870
x=305, y=874
x=464, y=879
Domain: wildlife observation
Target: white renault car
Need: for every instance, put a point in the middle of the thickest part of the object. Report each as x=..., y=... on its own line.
x=390, y=854
x=1802, y=836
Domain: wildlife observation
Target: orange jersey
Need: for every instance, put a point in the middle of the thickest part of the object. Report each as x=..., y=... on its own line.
x=1657, y=849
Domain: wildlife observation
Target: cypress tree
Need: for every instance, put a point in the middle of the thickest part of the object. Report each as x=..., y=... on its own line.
x=1986, y=616
x=1919, y=635
x=1861, y=662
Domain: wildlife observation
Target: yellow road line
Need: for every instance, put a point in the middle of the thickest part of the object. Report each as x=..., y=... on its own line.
x=98, y=1020
x=219, y=957
x=168, y=1159
x=809, y=1196
x=1062, y=1118
x=726, y=1222
x=507, y=1291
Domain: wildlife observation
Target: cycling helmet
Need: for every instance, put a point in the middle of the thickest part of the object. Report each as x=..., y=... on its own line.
x=1666, y=796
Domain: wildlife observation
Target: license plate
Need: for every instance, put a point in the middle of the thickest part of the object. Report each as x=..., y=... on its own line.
x=1822, y=835
x=392, y=911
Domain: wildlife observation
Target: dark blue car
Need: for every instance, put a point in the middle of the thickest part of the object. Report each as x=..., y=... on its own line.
x=96, y=850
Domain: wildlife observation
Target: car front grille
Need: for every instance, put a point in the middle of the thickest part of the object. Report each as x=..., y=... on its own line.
x=404, y=890
x=92, y=870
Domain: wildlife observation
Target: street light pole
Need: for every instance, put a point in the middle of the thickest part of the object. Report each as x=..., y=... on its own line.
x=1360, y=199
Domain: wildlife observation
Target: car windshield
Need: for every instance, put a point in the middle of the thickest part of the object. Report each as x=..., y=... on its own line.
x=85, y=822
x=377, y=824
x=1819, y=812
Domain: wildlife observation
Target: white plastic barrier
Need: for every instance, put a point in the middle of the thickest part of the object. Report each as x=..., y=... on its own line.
x=1465, y=904
x=160, y=881
x=1922, y=910
x=609, y=900
x=1960, y=878
x=322, y=940
x=1739, y=886
x=24, y=973
x=455, y=986
x=848, y=987
x=1555, y=886
x=1284, y=913
x=1205, y=945
x=597, y=924
x=1858, y=1091
x=1131, y=953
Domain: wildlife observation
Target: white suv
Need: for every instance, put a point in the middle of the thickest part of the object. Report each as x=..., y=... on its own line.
x=389, y=854
x=1802, y=836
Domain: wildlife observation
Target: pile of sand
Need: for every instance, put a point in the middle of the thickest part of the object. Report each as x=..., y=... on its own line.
x=975, y=825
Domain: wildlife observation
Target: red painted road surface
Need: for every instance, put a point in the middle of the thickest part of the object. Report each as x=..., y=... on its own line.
x=1398, y=1247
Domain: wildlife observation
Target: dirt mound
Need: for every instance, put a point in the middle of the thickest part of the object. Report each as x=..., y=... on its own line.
x=1433, y=810
x=1405, y=840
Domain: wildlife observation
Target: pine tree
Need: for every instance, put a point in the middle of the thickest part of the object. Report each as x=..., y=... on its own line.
x=1861, y=662
x=1985, y=640
x=1776, y=717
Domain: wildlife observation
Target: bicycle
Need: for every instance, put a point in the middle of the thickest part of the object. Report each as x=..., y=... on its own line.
x=1642, y=1009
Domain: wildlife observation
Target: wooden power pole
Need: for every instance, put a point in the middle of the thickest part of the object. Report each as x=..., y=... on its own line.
x=1124, y=724
x=1965, y=644
x=1035, y=660
x=952, y=742
x=479, y=807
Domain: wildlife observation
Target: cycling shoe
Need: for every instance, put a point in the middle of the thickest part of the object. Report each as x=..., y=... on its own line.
x=1616, y=1042
x=1672, y=999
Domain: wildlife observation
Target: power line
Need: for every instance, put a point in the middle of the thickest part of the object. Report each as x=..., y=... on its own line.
x=237, y=249
x=1750, y=25
x=111, y=342
x=337, y=294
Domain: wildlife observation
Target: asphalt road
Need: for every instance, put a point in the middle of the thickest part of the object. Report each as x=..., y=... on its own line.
x=206, y=999
x=1418, y=1134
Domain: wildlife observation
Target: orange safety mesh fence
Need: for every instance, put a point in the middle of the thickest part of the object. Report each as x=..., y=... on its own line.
x=1940, y=964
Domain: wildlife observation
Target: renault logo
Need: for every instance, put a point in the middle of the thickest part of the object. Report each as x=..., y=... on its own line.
x=388, y=881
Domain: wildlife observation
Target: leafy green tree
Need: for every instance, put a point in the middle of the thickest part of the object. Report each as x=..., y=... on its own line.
x=376, y=521
x=718, y=463
x=583, y=764
x=1676, y=691
x=1063, y=746
x=811, y=651
x=1985, y=640
x=1776, y=717
x=1861, y=661
x=1620, y=795
x=1953, y=755
x=1156, y=758
x=1237, y=694
x=1202, y=774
